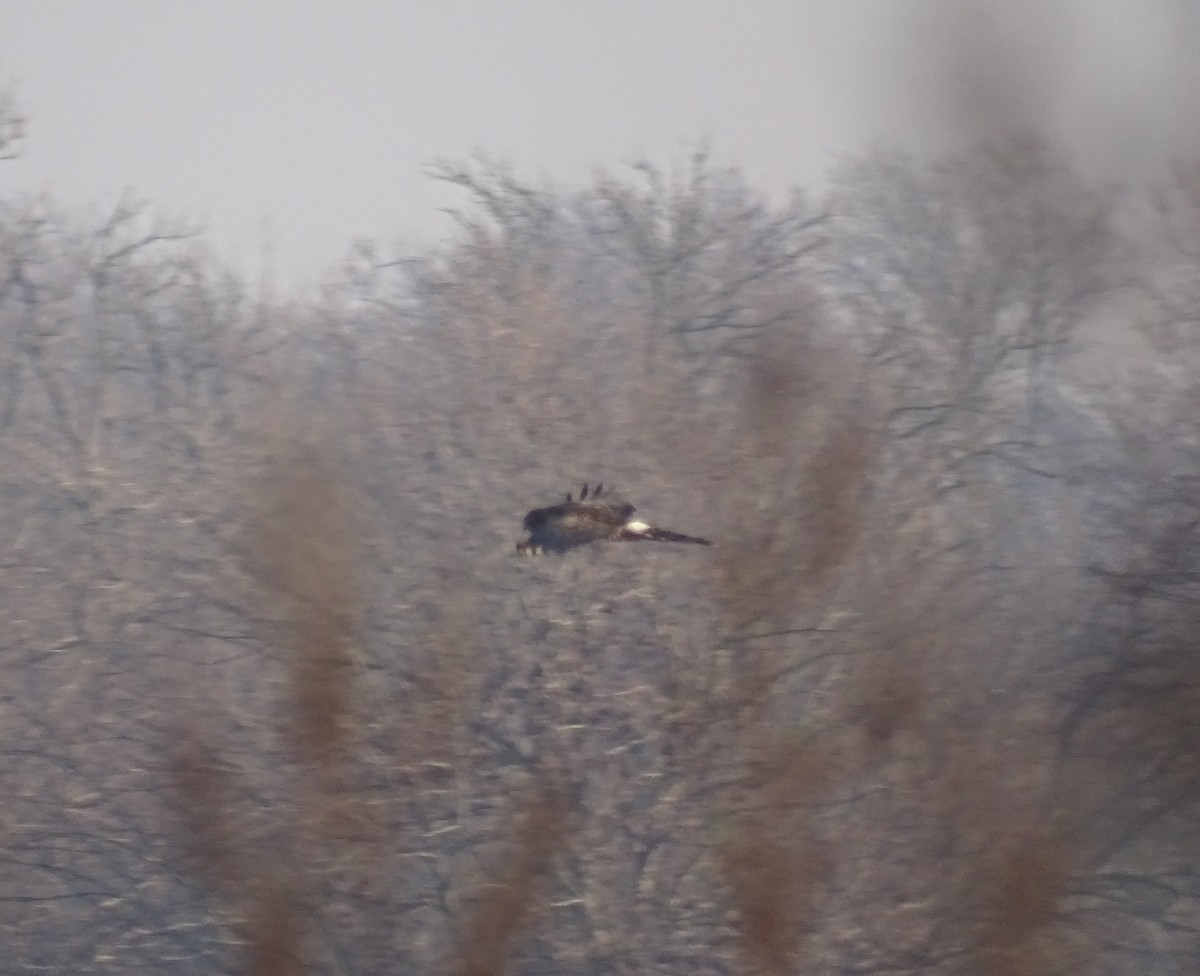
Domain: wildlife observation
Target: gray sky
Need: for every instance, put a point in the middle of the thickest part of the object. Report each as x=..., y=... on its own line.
x=307, y=123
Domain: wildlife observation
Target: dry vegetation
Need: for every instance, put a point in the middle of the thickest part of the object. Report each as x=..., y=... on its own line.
x=279, y=699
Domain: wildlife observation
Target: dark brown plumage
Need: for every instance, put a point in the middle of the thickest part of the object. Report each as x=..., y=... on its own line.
x=595, y=517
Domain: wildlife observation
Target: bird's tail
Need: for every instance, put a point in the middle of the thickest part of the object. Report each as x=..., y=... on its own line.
x=661, y=535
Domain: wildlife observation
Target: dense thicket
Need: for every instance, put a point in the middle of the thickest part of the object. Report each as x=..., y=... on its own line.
x=278, y=697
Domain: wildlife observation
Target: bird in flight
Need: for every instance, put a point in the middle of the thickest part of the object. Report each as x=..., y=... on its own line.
x=596, y=516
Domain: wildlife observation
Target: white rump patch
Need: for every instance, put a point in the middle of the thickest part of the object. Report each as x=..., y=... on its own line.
x=638, y=527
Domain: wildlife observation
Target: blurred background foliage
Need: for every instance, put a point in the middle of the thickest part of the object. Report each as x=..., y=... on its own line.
x=278, y=697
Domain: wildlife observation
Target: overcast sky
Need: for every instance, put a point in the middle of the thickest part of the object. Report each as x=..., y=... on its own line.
x=304, y=124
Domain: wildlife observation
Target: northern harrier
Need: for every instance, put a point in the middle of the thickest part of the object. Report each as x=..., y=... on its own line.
x=597, y=516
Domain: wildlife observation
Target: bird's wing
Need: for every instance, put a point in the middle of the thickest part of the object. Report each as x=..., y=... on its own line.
x=537, y=517
x=596, y=514
x=606, y=509
x=569, y=530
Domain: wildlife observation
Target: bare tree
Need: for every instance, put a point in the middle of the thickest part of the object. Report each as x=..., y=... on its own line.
x=281, y=699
